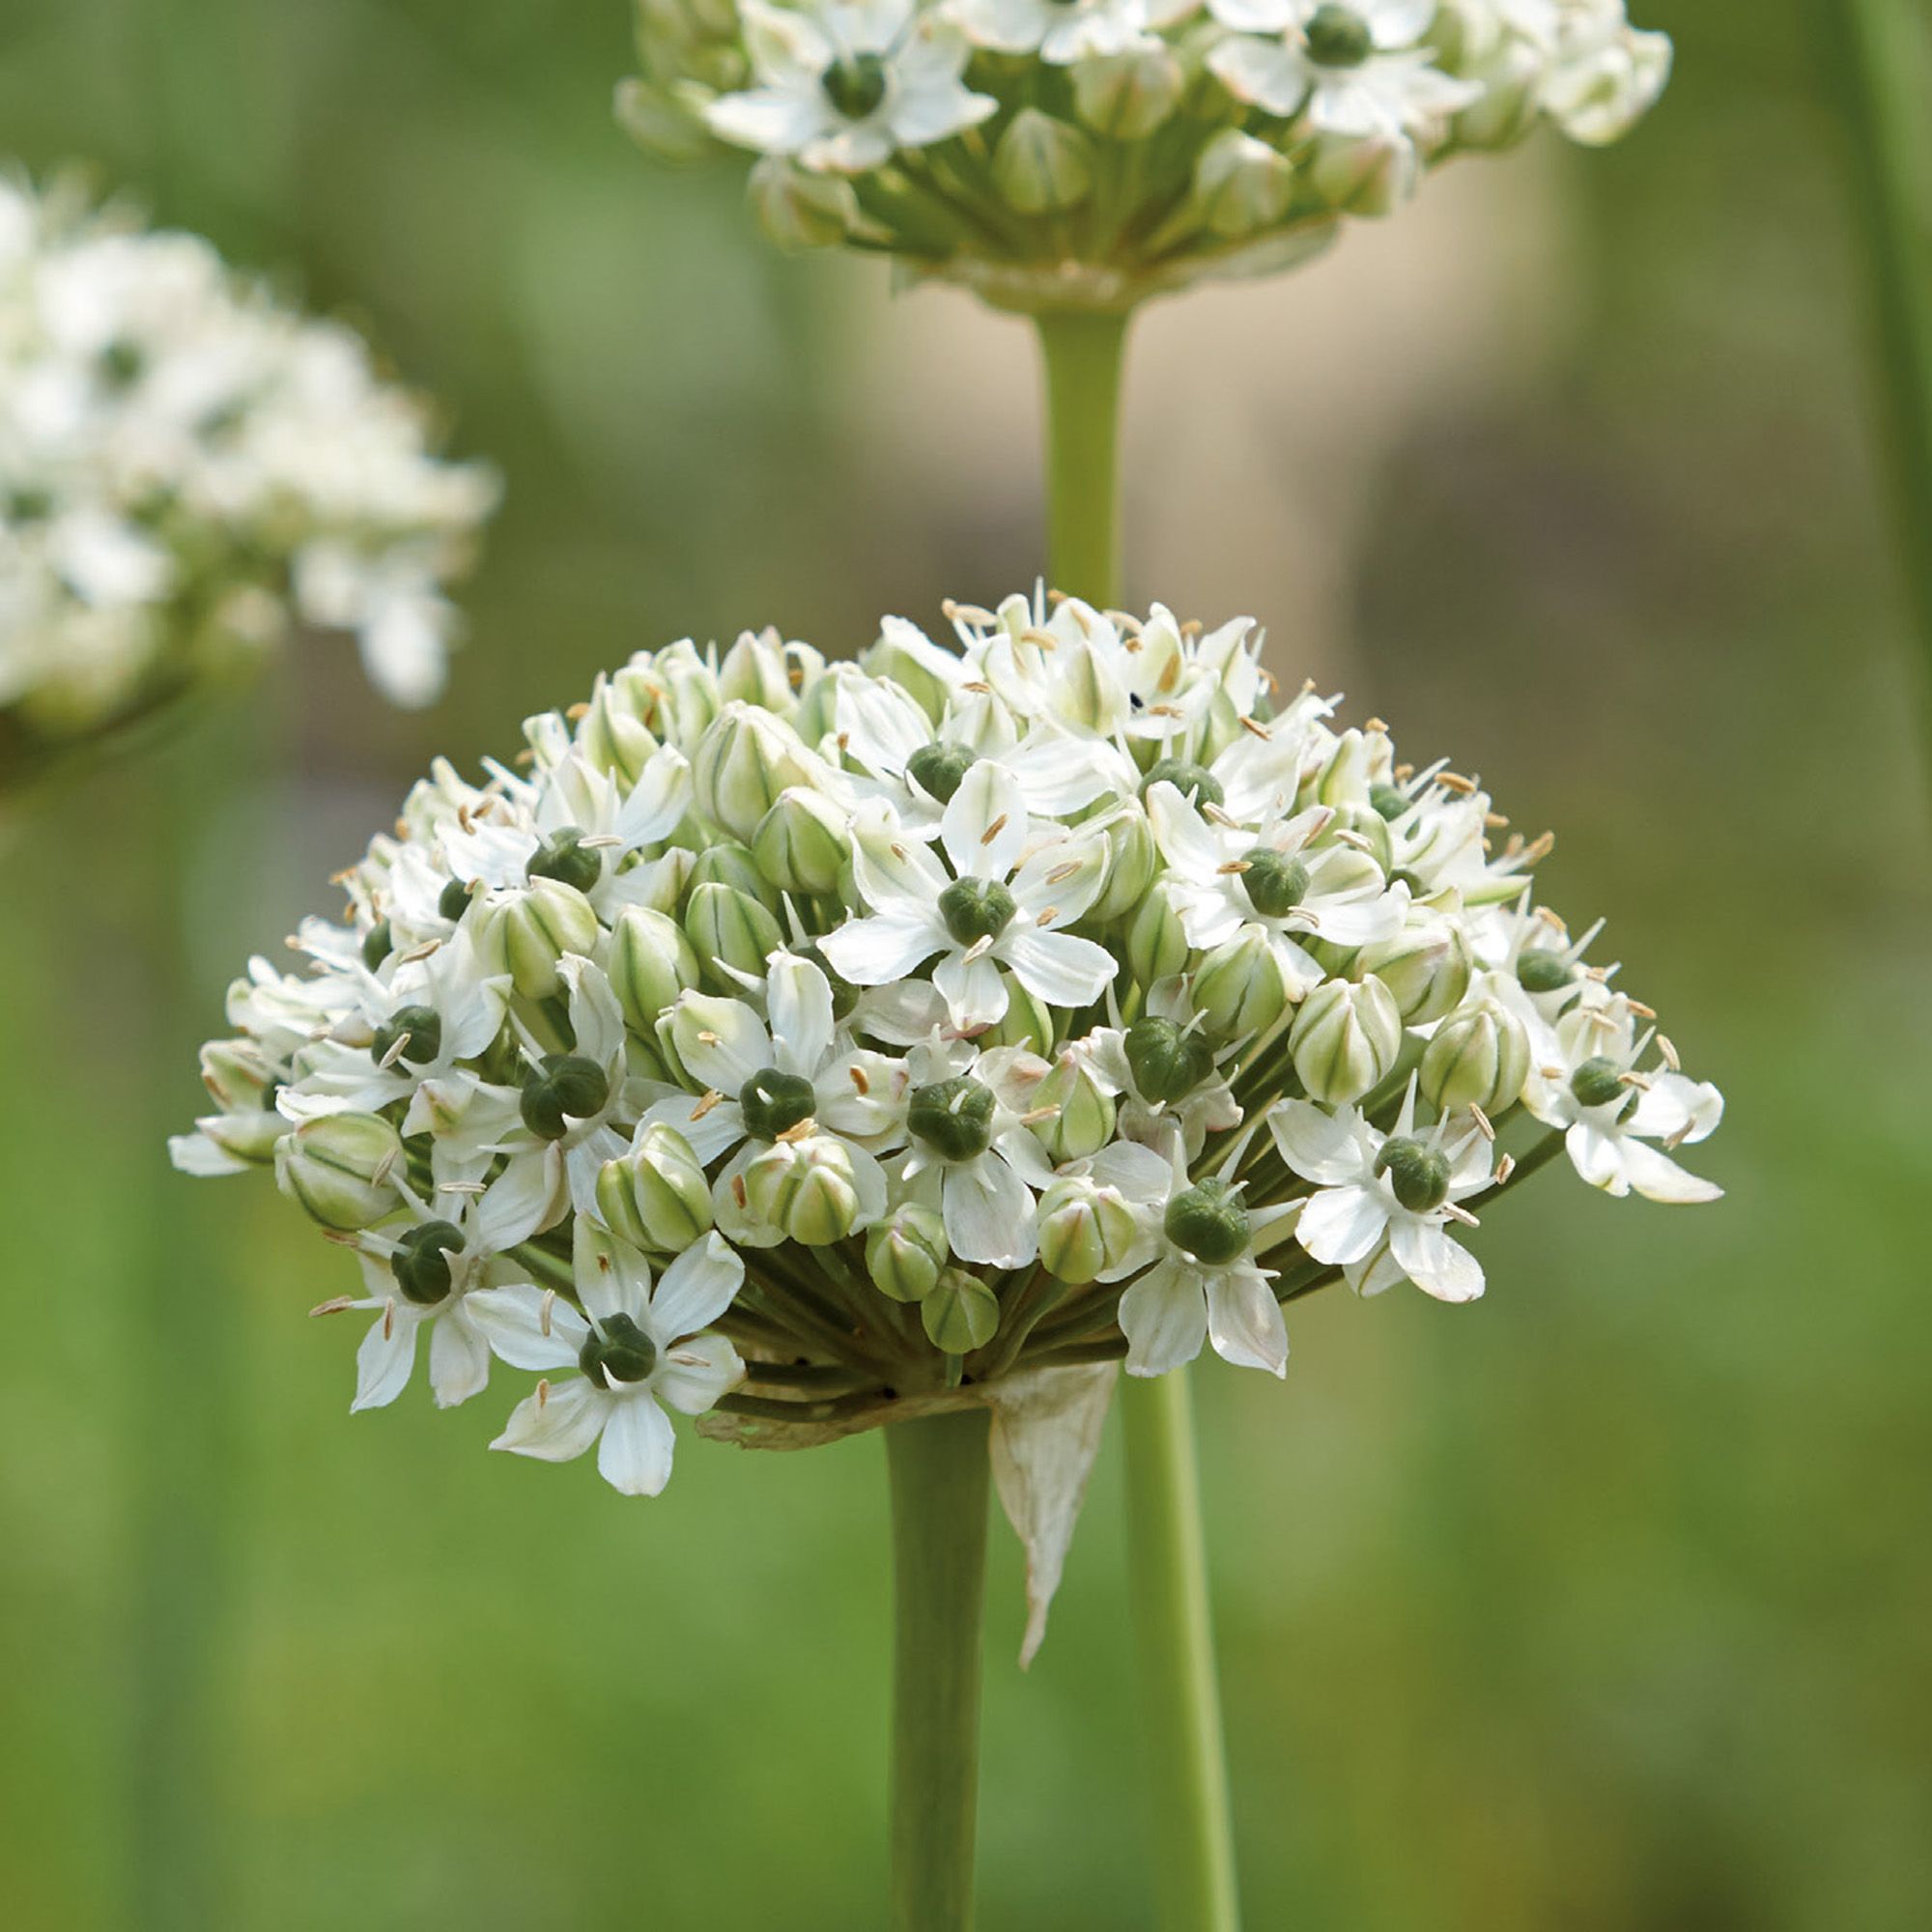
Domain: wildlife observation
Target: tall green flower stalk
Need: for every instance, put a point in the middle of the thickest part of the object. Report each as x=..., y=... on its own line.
x=1186, y=1758
x=1884, y=59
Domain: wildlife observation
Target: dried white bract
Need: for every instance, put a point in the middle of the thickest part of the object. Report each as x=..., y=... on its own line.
x=814, y=1042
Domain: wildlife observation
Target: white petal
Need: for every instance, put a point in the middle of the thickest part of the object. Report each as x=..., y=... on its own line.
x=694, y=1290
x=613, y=1277
x=1057, y=967
x=721, y=1126
x=529, y=1327
x=693, y=1374
x=1435, y=1263
x=889, y=946
x=984, y=828
x=1341, y=1224
x=635, y=1456
x=388, y=1354
x=738, y=1045
x=1317, y=1145
x=989, y=1214
x=799, y=999
x=459, y=1358
x=1658, y=1177
x=1244, y=1320
x=518, y=1204
x=972, y=990
x=556, y=1424
x=1164, y=1317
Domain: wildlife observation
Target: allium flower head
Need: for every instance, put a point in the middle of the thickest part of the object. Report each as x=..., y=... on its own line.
x=188, y=472
x=802, y=1047
x=1056, y=154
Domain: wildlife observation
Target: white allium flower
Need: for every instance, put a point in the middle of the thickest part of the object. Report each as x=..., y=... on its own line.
x=920, y=1019
x=638, y=1350
x=1354, y=69
x=841, y=86
x=187, y=471
x=1059, y=31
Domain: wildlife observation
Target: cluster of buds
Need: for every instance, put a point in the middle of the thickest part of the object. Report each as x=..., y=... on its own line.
x=187, y=471
x=1088, y=153
x=801, y=1040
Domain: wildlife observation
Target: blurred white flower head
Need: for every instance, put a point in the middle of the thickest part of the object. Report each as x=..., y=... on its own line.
x=188, y=471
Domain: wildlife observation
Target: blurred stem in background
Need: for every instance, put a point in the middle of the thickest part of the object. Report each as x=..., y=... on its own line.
x=940, y=1472
x=1186, y=1759
x=180, y=1417
x=1883, y=56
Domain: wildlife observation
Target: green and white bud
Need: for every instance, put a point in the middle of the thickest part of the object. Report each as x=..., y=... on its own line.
x=1370, y=176
x=1168, y=1060
x=799, y=210
x=1239, y=988
x=960, y=1313
x=341, y=1168
x=728, y=927
x=745, y=759
x=655, y=1195
x=684, y=696
x=1131, y=861
x=1028, y=1021
x=1346, y=1039
x=807, y=1187
x=1157, y=946
x=1085, y=1230
x=248, y=1126
x=1477, y=1058
x=612, y=735
x=726, y=863
x=1426, y=967
x=763, y=669
x=803, y=841
x=650, y=963
x=1042, y=165
x=659, y=124
x=1082, y=1121
x=532, y=932
x=905, y=1252
x=1126, y=97
x=1242, y=185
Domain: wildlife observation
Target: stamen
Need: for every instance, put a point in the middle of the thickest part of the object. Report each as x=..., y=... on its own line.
x=994, y=830
x=711, y=1098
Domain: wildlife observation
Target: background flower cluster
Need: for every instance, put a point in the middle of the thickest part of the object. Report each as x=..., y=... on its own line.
x=1095, y=150
x=188, y=470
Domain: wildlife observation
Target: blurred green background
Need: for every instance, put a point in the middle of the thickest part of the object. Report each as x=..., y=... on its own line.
x=1603, y=1603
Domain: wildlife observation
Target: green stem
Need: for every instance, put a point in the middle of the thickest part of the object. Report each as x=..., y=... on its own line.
x=1083, y=352
x=1167, y=1552
x=1193, y=1836
x=940, y=1472
x=1883, y=56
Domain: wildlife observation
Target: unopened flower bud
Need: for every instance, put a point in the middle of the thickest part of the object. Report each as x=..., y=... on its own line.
x=727, y=862
x=745, y=759
x=728, y=927
x=960, y=1313
x=802, y=841
x=536, y=928
x=683, y=687
x=651, y=962
x=1507, y=108
x=1208, y=1222
x=1426, y=966
x=1239, y=988
x=1042, y=165
x=807, y=1187
x=565, y=1087
x=1477, y=1058
x=341, y=1167
x=1371, y=174
x=1081, y=1120
x=1596, y=98
x=1028, y=1021
x=1169, y=1061
x=1157, y=946
x=905, y=1252
x=763, y=669
x=799, y=210
x=1085, y=1230
x=655, y=1195
x=1242, y=185
x=1131, y=861
x=659, y=123
x=1125, y=97
x=612, y=735
x=1344, y=1039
